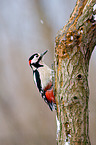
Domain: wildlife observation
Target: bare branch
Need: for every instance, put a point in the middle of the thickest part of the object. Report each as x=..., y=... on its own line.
x=74, y=46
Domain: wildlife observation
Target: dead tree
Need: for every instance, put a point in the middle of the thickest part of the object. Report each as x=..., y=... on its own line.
x=73, y=48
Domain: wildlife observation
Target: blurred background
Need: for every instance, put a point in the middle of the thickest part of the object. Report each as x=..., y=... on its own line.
x=26, y=27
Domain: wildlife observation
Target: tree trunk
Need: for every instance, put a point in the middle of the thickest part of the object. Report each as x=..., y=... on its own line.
x=74, y=45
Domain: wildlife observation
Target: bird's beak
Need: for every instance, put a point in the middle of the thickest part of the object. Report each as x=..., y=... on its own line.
x=44, y=53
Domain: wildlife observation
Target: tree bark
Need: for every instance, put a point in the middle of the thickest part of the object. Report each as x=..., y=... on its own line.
x=74, y=45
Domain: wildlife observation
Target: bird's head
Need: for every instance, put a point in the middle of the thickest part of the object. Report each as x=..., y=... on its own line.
x=36, y=59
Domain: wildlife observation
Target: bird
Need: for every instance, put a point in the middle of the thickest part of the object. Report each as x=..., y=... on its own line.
x=42, y=76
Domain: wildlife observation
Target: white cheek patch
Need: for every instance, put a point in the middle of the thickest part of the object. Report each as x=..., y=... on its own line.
x=34, y=60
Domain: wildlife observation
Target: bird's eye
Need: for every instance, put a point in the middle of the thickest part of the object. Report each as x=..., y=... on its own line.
x=36, y=55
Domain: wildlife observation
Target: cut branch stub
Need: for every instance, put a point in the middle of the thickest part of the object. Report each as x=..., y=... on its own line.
x=74, y=45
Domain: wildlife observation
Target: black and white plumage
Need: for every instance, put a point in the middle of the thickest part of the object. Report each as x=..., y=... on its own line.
x=42, y=75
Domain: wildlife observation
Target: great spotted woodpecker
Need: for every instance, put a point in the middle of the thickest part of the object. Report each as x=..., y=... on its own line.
x=42, y=75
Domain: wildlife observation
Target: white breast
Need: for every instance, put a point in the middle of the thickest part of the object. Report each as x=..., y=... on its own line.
x=45, y=75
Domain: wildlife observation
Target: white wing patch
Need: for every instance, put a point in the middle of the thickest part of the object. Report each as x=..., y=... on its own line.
x=35, y=79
